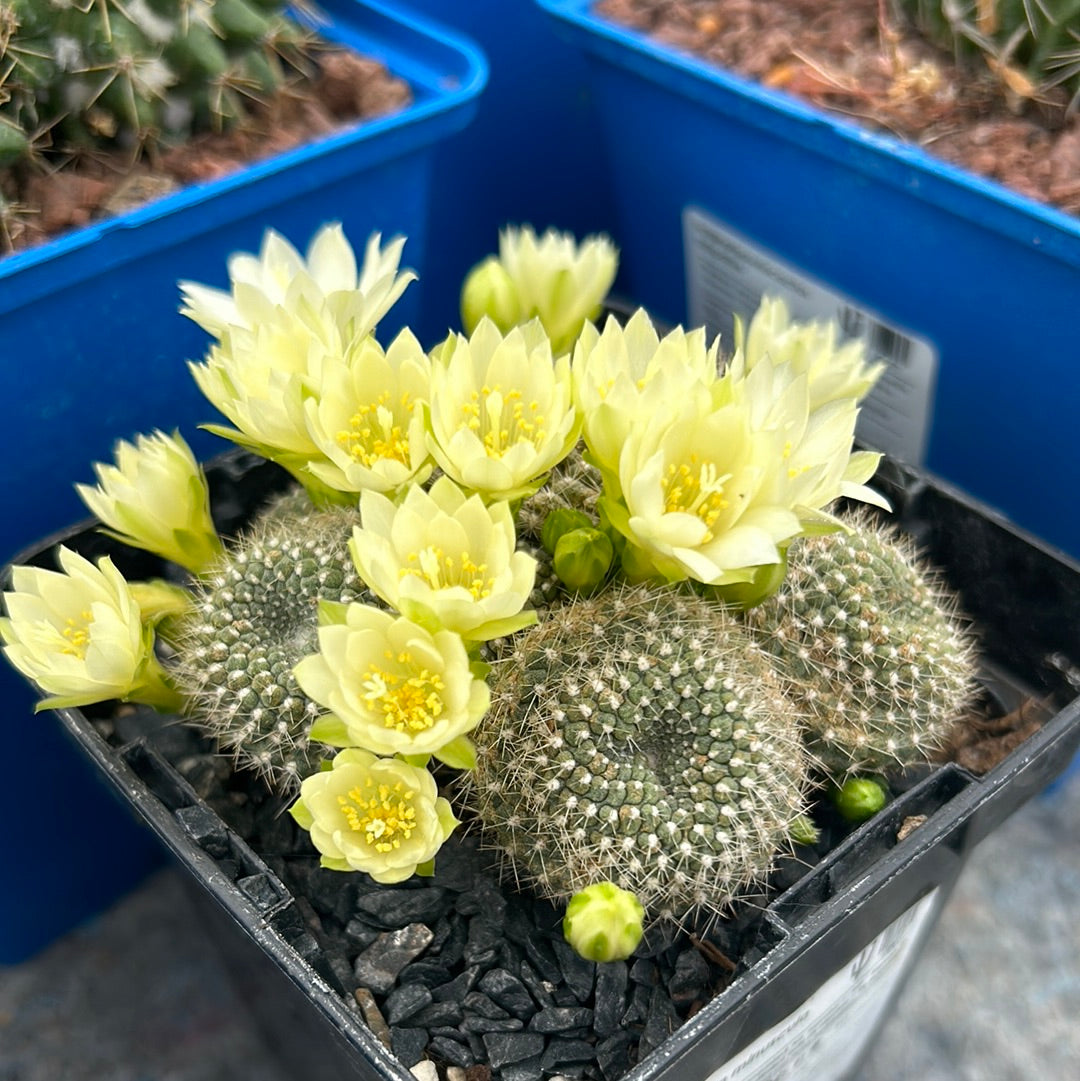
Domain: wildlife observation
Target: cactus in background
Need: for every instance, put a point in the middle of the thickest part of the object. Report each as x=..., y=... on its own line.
x=638, y=737
x=255, y=615
x=132, y=72
x=1033, y=46
x=879, y=664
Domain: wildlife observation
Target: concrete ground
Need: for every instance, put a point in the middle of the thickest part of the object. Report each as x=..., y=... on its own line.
x=140, y=995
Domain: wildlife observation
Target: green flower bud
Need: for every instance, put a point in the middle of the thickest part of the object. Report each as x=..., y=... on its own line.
x=603, y=922
x=489, y=290
x=583, y=558
x=562, y=520
x=859, y=798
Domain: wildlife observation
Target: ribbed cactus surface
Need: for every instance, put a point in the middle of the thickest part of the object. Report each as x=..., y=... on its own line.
x=77, y=75
x=879, y=664
x=255, y=616
x=638, y=737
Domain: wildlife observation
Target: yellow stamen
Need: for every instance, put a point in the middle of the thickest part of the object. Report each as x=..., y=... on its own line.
x=410, y=703
x=695, y=487
x=375, y=432
x=441, y=571
x=380, y=812
x=77, y=633
x=502, y=420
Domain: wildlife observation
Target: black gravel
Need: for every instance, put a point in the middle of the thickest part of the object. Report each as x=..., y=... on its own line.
x=455, y=968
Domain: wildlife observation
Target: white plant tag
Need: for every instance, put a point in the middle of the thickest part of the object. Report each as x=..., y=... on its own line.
x=727, y=275
x=824, y=1038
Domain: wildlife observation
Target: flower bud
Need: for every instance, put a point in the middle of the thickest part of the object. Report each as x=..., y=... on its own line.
x=603, y=922
x=859, y=798
x=583, y=558
x=562, y=520
x=489, y=290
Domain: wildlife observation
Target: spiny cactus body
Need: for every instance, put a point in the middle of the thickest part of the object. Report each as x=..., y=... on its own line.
x=880, y=665
x=573, y=483
x=638, y=737
x=130, y=72
x=1033, y=45
x=255, y=616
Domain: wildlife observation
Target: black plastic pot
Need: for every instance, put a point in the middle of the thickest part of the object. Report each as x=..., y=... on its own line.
x=828, y=954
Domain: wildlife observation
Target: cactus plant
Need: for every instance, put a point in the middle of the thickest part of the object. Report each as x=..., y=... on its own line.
x=255, y=616
x=130, y=73
x=638, y=737
x=879, y=662
x=1032, y=45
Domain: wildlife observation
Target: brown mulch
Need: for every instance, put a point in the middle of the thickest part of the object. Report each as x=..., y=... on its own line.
x=980, y=742
x=838, y=55
x=348, y=88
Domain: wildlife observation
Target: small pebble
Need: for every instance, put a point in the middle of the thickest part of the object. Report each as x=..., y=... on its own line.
x=508, y=1047
x=507, y=991
x=561, y=1018
x=451, y=1051
x=425, y=1071
x=561, y=1051
x=405, y=1000
x=408, y=1044
x=390, y=908
x=690, y=978
x=373, y=1016
x=610, y=999
x=377, y=968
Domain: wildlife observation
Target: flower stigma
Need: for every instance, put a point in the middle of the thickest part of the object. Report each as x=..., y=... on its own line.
x=373, y=435
x=441, y=571
x=503, y=420
x=408, y=703
x=695, y=488
x=380, y=812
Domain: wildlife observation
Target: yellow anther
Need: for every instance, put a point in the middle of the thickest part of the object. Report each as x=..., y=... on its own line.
x=375, y=432
x=77, y=633
x=408, y=703
x=382, y=814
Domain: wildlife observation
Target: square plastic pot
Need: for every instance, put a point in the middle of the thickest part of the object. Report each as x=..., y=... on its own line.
x=832, y=951
x=89, y=354
x=722, y=187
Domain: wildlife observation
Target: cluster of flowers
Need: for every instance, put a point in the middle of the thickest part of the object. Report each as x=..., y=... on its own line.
x=708, y=470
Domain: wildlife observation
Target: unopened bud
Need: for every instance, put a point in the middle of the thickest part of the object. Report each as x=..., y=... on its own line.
x=603, y=922
x=490, y=291
x=583, y=558
x=559, y=521
x=859, y=798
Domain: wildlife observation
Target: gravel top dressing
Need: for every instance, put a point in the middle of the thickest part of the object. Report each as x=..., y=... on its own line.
x=457, y=968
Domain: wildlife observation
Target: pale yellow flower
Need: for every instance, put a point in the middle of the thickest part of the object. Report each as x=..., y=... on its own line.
x=378, y=815
x=624, y=376
x=156, y=498
x=392, y=686
x=77, y=633
x=501, y=410
x=283, y=322
x=816, y=464
x=368, y=418
x=834, y=370
x=552, y=277
x=325, y=288
x=445, y=560
x=691, y=502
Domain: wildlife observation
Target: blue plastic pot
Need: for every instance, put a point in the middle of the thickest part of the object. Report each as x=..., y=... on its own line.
x=530, y=156
x=989, y=278
x=92, y=349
